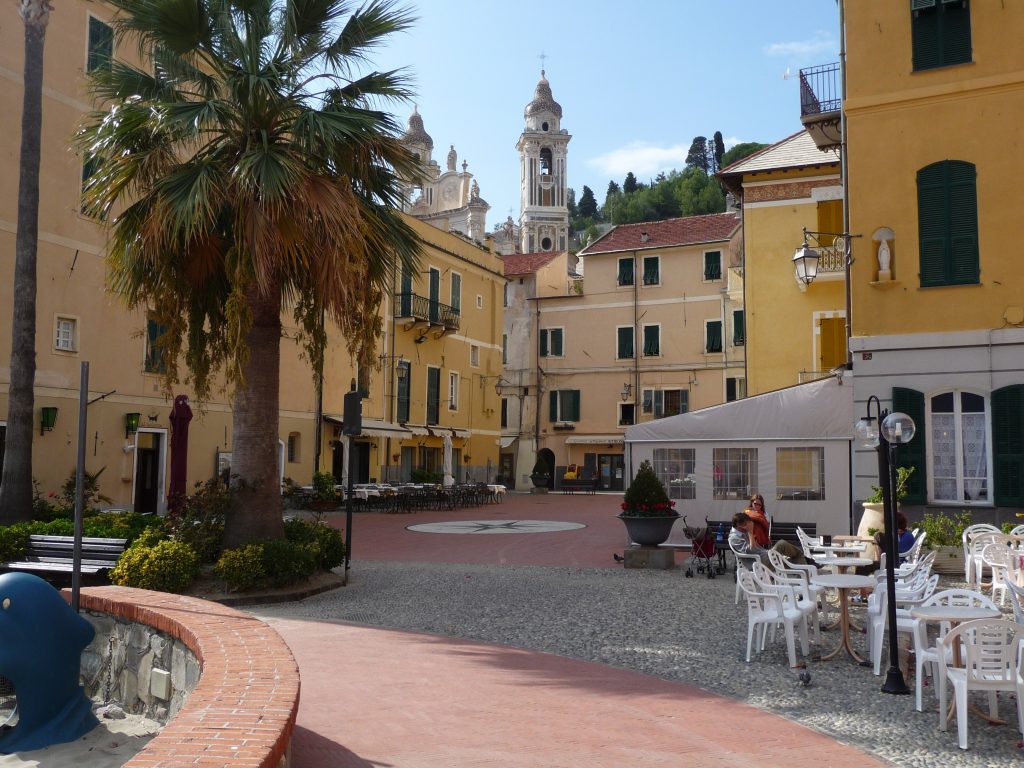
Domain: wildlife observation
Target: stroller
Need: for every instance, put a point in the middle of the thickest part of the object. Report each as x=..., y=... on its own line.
x=702, y=549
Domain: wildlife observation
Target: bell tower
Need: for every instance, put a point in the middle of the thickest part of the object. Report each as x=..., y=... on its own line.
x=543, y=182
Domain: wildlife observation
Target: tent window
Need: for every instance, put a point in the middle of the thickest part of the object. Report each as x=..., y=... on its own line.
x=735, y=473
x=675, y=468
x=800, y=474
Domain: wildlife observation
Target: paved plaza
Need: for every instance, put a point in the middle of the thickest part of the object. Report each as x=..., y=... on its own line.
x=487, y=648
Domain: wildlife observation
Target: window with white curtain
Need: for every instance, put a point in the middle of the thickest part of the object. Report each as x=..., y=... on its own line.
x=675, y=468
x=959, y=450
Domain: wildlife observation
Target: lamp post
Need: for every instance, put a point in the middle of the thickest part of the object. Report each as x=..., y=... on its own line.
x=885, y=433
x=806, y=261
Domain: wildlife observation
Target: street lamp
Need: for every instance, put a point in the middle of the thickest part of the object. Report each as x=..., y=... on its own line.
x=627, y=390
x=885, y=433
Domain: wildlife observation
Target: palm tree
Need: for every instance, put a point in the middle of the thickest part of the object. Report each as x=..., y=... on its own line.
x=251, y=170
x=16, y=481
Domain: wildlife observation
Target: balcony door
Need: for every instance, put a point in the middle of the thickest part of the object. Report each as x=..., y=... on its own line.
x=435, y=295
x=832, y=342
x=406, y=293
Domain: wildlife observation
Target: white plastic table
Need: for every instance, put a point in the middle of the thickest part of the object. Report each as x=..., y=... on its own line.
x=841, y=563
x=843, y=583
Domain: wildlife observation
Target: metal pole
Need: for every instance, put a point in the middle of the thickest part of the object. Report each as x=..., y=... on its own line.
x=894, y=682
x=348, y=505
x=76, y=553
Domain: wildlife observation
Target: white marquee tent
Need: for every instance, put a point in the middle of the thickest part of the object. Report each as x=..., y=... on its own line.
x=792, y=446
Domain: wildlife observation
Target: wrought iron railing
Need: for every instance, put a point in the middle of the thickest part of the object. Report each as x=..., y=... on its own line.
x=423, y=308
x=831, y=257
x=820, y=90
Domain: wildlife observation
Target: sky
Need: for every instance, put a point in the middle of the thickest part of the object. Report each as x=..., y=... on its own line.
x=636, y=80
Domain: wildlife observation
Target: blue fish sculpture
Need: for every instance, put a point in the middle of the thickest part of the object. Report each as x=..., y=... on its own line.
x=41, y=643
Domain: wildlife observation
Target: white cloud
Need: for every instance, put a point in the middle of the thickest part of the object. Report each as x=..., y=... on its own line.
x=641, y=158
x=731, y=142
x=820, y=43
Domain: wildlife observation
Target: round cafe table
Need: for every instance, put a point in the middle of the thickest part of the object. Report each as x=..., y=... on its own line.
x=843, y=583
x=842, y=563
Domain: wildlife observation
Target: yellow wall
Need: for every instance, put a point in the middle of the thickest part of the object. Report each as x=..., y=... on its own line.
x=900, y=121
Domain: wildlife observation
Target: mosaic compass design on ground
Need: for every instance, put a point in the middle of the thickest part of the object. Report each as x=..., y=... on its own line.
x=496, y=526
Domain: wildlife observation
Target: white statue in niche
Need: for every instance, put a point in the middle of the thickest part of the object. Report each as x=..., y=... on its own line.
x=884, y=259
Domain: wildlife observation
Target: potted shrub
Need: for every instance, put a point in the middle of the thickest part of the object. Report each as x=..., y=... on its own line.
x=541, y=475
x=872, y=521
x=647, y=510
x=325, y=497
x=945, y=537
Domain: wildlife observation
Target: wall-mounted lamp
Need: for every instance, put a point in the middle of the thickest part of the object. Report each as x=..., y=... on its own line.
x=403, y=372
x=627, y=390
x=48, y=417
x=131, y=424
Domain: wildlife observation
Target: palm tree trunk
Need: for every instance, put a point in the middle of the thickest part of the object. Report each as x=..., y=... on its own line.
x=16, y=481
x=256, y=508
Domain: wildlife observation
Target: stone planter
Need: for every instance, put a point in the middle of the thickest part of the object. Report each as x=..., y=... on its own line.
x=540, y=481
x=949, y=559
x=648, y=531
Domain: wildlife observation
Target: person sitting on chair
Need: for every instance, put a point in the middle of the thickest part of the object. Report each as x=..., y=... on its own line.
x=741, y=539
x=756, y=513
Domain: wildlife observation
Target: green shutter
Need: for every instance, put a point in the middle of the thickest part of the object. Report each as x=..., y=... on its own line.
x=433, y=395
x=684, y=400
x=924, y=31
x=553, y=405
x=963, y=222
x=574, y=405
x=651, y=276
x=713, y=265
x=911, y=402
x=544, y=343
x=956, y=32
x=652, y=341
x=739, y=331
x=714, y=340
x=941, y=33
x=1008, y=445
x=625, y=271
x=947, y=216
x=556, y=342
x=101, y=44
x=625, y=343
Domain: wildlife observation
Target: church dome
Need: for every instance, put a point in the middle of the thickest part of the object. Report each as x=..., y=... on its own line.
x=415, y=133
x=543, y=101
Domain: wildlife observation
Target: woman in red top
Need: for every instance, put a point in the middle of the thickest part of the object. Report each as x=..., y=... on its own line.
x=756, y=513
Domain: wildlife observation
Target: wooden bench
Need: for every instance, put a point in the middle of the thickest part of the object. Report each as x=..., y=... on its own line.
x=787, y=531
x=54, y=554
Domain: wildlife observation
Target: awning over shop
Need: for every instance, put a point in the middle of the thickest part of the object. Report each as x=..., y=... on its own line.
x=505, y=442
x=416, y=430
x=373, y=427
x=593, y=439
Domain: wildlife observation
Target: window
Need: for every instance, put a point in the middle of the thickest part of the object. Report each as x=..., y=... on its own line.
x=625, y=276
x=294, y=447
x=830, y=219
x=624, y=342
x=456, y=302
x=800, y=474
x=627, y=414
x=433, y=395
x=551, y=342
x=1007, y=446
x=504, y=412
x=453, y=391
x=564, y=405
x=479, y=301
x=652, y=270
x=675, y=468
x=652, y=340
x=66, y=334
x=947, y=223
x=504, y=349
x=734, y=473
x=434, y=296
x=713, y=265
x=154, y=356
x=402, y=395
x=735, y=388
x=666, y=402
x=101, y=45
x=941, y=32
x=474, y=355
x=713, y=336
x=504, y=295
x=958, y=447
x=90, y=165
x=739, y=330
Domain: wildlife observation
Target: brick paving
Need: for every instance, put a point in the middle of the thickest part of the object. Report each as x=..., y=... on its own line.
x=373, y=697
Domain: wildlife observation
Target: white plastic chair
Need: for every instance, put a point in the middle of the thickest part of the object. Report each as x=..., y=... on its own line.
x=926, y=652
x=969, y=533
x=993, y=654
x=877, y=614
x=745, y=563
x=1016, y=600
x=804, y=571
x=811, y=546
x=999, y=558
x=977, y=546
x=805, y=599
x=1018, y=531
x=767, y=608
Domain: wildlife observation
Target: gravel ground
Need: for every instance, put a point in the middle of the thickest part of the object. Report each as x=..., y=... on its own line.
x=662, y=624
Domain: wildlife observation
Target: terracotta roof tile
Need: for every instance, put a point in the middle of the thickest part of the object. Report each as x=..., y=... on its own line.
x=688, y=230
x=527, y=263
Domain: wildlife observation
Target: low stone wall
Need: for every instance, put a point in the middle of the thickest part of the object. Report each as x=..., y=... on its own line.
x=240, y=709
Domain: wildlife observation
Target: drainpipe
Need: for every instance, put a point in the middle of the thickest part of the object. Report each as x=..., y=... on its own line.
x=536, y=357
x=844, y=169
x=318, y=408
x=637, y=340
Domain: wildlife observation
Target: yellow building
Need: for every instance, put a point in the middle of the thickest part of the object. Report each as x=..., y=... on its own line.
x=934, y=100
x=648, y=331
x=128, y=419
x=795, y=332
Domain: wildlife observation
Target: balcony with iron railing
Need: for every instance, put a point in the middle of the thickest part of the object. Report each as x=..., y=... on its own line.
x=821, y=104
x=423, y=312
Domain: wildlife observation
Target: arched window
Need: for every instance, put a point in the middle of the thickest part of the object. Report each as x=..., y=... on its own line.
x=959, y=447
x=545, y=161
